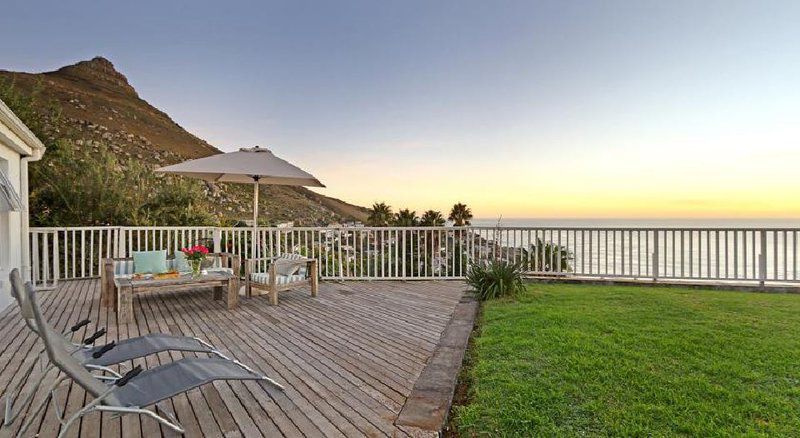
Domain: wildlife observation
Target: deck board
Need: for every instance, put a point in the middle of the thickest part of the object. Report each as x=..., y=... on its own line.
x=348, y=358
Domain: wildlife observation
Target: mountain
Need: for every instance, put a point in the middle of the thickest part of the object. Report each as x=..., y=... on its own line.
x=96, y=104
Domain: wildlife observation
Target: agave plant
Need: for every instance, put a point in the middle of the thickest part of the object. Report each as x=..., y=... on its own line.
x=546, y=257
x=495, y=279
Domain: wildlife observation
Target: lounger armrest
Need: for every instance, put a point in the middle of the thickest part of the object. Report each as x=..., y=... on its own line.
x=90, y=340
x=80, y=325
x=104, y=349
x=128, y=376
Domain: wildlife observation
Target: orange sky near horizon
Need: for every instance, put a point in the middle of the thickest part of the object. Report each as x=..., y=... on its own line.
x=726, y=178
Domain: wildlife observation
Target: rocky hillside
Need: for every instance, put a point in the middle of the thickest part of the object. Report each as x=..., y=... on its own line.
x=96, y=104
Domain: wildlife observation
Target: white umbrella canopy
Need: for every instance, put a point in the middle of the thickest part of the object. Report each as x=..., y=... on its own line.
x=255, y=166
x=245, y=166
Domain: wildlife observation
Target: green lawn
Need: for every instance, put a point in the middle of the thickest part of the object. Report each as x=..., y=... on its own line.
x=571, y=360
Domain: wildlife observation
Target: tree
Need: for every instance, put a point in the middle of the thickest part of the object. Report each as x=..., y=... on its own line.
x=460, y=214
x=380, y=215
x=432, y=218
x=406, y=218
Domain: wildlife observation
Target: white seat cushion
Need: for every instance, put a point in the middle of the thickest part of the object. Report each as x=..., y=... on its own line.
x=124, y=267
x=263, y=278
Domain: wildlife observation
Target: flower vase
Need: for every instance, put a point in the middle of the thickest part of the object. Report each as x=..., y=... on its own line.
x=196, y=264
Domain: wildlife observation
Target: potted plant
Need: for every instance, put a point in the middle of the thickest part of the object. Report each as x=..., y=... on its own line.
x=195, y=255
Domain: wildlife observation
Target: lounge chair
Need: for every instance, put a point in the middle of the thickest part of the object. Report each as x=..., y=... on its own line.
x=97, y=357
x=136, y=389
x=283, y=272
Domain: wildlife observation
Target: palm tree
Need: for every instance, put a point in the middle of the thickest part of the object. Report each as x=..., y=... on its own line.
x=460, y=215
x=380, y=215
x=432, y=218
x=406, y=218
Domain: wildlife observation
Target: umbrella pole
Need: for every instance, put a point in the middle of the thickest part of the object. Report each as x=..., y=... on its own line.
x=255, y=217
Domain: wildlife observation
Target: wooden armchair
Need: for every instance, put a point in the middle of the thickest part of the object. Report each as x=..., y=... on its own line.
x=271, y=280
x=114, y=268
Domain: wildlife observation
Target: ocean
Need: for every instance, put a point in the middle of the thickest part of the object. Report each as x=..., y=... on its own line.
x=730, y=254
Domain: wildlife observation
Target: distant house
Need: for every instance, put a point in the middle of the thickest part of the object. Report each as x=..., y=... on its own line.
x=18, y=146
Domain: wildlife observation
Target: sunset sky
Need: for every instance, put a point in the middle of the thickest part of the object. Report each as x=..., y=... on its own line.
x=520, y=109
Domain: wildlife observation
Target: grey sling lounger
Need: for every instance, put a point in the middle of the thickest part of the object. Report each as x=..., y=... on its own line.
x=99, y=357
x=137, y=389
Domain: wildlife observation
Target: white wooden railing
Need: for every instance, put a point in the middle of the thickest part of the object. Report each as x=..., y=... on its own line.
x=365, y=253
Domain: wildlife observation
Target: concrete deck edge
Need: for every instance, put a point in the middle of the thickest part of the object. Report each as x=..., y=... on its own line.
x=426, y=409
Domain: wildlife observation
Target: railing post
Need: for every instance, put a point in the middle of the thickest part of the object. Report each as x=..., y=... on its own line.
x=339, y=254
x=217, y=236
x=762, y=259
x=655, y=255
x=119, y=238
x=56, y=261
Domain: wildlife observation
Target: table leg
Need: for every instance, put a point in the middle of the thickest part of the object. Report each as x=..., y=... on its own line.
x=233, y=293
x=218, y=292
x=125, y=304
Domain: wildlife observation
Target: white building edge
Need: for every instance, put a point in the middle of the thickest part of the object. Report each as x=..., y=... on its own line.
x=18, y=147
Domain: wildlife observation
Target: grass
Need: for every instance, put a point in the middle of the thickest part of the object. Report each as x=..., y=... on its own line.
x=566, y=360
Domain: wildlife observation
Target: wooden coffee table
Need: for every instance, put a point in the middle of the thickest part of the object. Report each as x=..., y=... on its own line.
x=127, y=287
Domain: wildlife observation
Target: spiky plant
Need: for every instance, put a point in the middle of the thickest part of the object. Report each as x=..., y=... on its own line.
x=495, y=279
x=547, y=257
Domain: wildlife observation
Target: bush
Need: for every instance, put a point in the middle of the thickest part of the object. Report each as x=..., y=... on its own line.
x=495, y=279
x=547, y=257
x=81, y=187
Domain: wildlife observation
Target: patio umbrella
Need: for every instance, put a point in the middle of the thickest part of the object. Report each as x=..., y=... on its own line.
x=246, y=166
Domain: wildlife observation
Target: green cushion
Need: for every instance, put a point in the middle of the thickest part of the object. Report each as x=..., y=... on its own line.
x=181, y=264
x=149, y=262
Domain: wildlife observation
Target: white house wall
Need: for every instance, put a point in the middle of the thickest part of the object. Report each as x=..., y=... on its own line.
x=17, y=144
x=10, y=224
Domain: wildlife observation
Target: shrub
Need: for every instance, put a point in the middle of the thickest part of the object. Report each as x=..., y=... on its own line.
x=73, y=186
x=547, y=257
x=495, y=279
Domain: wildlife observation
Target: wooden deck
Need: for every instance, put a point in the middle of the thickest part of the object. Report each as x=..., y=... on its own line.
x=348, y=358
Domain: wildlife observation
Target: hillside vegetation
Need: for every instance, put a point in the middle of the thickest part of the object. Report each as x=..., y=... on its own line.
x=100, y=132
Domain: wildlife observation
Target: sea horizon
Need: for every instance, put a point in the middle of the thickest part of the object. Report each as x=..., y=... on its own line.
x=640, y=222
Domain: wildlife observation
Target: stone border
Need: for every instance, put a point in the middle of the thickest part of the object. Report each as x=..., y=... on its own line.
x=707, y=285
x=426, y=409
